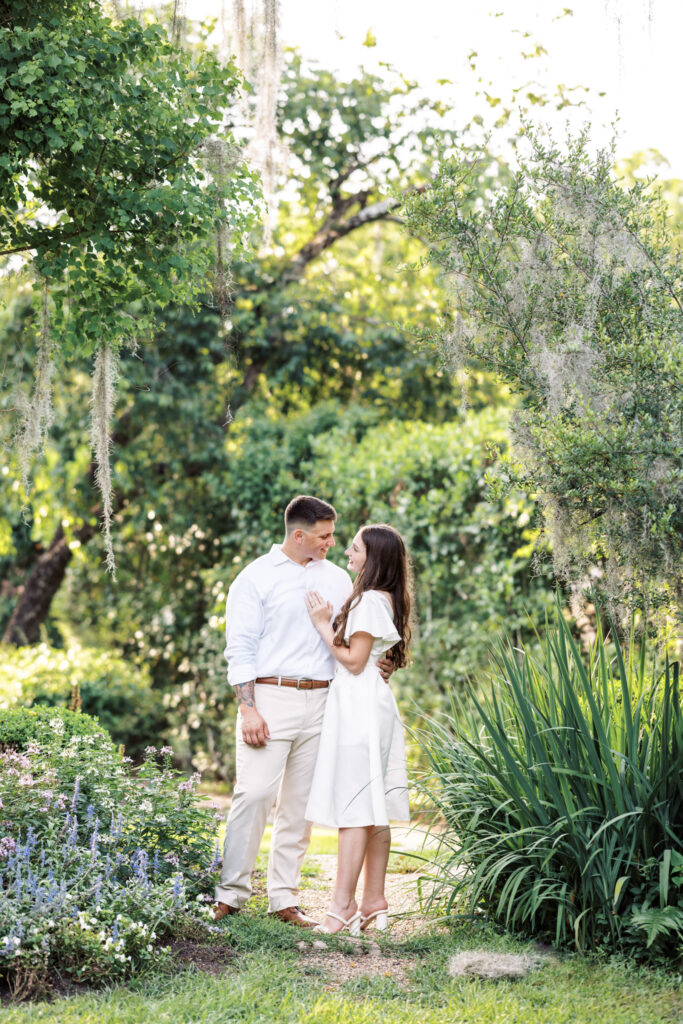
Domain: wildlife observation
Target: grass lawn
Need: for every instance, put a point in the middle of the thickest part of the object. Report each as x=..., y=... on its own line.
x=271, y=979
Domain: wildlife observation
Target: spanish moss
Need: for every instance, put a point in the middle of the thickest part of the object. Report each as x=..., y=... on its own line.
x=240, y=36
x=266, y=111
x=37, y=414
x=179, y=23
x=104, y=379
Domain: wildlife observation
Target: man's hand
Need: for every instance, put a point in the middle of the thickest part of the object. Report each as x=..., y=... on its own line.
x=255, y=730
x=386, y=667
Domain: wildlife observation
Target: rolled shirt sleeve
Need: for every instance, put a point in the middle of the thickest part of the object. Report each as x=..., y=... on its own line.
x=244, y=624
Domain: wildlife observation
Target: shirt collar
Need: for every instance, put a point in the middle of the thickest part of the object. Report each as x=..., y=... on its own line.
x=277, y=555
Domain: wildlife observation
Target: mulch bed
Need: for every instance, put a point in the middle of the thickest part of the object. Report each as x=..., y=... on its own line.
x=214, y=959
x=48, y=990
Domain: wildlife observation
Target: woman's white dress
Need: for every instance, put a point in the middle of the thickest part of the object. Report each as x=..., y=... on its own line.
x=360, y=776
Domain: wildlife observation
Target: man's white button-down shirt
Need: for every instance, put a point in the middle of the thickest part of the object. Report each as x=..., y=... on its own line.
x=268, y=630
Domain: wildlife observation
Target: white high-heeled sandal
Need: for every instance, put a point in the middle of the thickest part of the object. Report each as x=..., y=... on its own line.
x=352, y=925
x=380, y=917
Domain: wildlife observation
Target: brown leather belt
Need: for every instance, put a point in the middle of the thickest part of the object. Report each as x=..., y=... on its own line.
x=303, y=683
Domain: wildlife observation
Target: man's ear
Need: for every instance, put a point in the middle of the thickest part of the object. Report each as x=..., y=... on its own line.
x=298, y=536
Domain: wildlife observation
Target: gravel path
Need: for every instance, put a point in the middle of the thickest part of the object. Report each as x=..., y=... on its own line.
x=372, y=956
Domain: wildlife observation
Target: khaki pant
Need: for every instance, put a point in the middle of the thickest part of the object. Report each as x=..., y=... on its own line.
x=282, y=769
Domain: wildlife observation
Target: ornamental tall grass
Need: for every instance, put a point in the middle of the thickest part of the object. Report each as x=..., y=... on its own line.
x=562, y=797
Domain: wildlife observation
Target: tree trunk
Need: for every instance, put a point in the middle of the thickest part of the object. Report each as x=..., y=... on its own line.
x=43, y=582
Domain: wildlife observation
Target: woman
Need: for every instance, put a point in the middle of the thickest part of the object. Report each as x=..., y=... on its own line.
x=360, y=781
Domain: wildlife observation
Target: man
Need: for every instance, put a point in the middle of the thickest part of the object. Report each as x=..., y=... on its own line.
x=280, y=669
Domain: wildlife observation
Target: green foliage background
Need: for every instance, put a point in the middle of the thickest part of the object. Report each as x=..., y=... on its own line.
x=331, y=392
x=324, y=378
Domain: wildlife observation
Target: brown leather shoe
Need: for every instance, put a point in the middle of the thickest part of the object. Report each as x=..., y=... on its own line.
x=294, y=915
x=221, y=910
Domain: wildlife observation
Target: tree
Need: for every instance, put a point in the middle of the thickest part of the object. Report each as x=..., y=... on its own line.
x=114, y=183
x=569, y=285
x=102, y=128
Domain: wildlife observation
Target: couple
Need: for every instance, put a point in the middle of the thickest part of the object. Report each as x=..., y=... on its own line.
x=317, y=726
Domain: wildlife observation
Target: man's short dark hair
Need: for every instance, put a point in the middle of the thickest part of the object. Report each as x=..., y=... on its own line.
x=306, y=511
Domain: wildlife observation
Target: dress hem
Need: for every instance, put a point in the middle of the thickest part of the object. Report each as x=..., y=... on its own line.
x=369, y=824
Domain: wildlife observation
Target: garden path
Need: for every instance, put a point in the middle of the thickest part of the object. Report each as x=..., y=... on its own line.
x=377, y=957
x=374, y=958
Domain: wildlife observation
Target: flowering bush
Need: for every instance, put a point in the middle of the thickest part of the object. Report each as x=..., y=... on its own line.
x=97, y=863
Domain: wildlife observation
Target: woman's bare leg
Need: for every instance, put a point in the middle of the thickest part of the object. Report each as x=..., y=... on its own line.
x=375, y=869
x=353, y=843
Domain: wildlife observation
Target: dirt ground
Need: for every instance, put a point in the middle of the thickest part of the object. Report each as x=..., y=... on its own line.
x=370, y=956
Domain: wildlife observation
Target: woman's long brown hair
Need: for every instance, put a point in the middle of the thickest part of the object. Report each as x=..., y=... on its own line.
x=386, y=568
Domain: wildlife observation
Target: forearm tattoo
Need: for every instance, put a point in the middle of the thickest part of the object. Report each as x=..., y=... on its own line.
x=245, y=694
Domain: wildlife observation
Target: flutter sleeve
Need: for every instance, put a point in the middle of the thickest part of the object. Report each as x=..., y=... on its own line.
x=373, y=615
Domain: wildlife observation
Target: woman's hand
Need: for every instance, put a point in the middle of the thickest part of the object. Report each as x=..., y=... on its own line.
x=355, y=656
x=319, y=609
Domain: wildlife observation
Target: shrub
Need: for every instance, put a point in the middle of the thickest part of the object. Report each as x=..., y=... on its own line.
x=18, y=726
x=96, y=864
x=562, y=799
x=115, y=690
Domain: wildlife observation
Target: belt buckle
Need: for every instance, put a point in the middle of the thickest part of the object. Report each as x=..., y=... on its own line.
x=302, y=679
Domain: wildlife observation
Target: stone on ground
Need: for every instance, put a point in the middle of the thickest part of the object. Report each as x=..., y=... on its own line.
x=481, y=963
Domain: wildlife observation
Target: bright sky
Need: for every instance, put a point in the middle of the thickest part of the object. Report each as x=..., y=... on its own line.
x=628, y=49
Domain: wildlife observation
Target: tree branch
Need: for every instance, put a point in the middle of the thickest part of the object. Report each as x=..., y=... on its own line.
x=333, y=230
